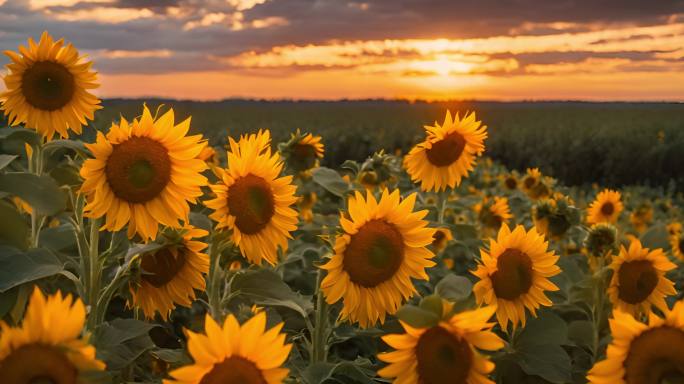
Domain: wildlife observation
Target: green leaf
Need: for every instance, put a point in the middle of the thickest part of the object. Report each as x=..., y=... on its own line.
x=14, y=229
x=454, y=287
x=546, y=329
x=433, y=303
x=60, y=238
x=266, y=288
x=358, y=371
x=550, y=362
x=6, y=159
x=581, y=332
x=465, y=231
x=121, y=341
x=76, y=146
x=66, y=174
x=656, y=237
x=22, y=267
x=41, y=192
x=330, y=180
x=26, y=135
x=417, y=317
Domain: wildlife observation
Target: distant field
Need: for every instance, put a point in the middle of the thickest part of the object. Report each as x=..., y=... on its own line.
x=610, y=143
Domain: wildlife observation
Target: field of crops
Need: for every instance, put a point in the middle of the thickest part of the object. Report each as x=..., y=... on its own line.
x=137, y=253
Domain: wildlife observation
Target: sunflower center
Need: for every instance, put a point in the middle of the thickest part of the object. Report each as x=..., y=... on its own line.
x=162, y=266
x=251, y=201
x=438, y=237
x=138, y=169
x=37, y=363
x=374, y=253
x=681, y=245
x=530, y=182
x=443, y=357
x=607, y=209
x=48, y=85
x=656, y=355
x=511, y=183
x=636, y=279
x=303, y=157
x=234, y=370
x=447, y=150
x=513, y=276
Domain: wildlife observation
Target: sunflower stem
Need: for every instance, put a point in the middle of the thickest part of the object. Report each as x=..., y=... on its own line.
x=215, y=279
x=95, y=272
x=320, y=331
x=598, y=304
x=442, y=198
x=35, y=163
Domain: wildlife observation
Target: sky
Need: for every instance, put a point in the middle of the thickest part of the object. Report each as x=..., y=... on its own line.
x=332, y=49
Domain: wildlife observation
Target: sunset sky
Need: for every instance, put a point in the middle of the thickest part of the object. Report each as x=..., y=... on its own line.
x=330, y=49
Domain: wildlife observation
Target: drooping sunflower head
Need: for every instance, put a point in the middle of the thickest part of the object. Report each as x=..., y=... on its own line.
x=441, y=238
x=448, y=152
x=303, y=151
x=144, y=173
x=382, y=248
x=493, y=212
x=643, y=353
x=253, y=201
x=47, y=347
x=602, y=239
x=48, y=87
x=639, y=281
x=514, y=274
x=445, y=353
x=235, y=354
x=170, y=274
x=606, y=208
x=554, y=217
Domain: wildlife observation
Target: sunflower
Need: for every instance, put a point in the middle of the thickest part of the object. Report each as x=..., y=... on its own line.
x=643, y=353
x=677, y=244
x=382, y=248
x=444, y=353
x=510, y=181
x=639, y=280
x=441, y=238
x=302, y=152
x=514, y=274
x=641, y=217
x=234, y=353
x=674, y=228
x=253, y=201
x=535, y=185
x=47, y=88
x=171, y=274
x=493, y=212
x=606, y=208
x=531, y=179
x=448, y=152
x=306, y=203
x=144, y=173
x=47, y=347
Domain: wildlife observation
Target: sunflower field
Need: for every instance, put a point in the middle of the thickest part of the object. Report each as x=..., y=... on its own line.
x=144, y=253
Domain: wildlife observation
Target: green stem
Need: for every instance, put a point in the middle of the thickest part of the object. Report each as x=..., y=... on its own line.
x=35, y=164
x=442, y=198
x=320, y=332
x=215, y=279
x=598, y=304
x=95, y=271
x=108, y=293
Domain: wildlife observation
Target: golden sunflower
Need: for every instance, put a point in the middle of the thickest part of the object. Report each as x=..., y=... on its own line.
x=514, y=274
x=606, y=208
x=441, y=238
x=643, y=353
x=382, y=248
x=448, y=152
x=47, y=88
x=531, y=179
x=235, y=354
x=674, y=228
x=677, y=244
x=445, y=353
x=306, y=204
x=47, y=348
x=641, y=217
x=144, y=173
x=253, y=201
x=510, y=181
x=171, y=274
x=303, y=152
x=493, y=212
x=639, y=280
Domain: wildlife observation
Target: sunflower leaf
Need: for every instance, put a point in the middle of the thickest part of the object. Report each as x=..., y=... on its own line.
x=417, y=317
x=6, y=159
x=454, y=287
x=548, y=328
x=26, y=135
x=267, y=288
x=549, y=362
x=22, y=267
x=41, y=192
x=330, y=180
x=14, y=229
x=121, y=341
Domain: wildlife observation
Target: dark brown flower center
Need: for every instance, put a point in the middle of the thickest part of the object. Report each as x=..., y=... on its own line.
x=37, y=363
x=447, y=150
x=530, y=181
x=607, y=209
x=251, y=201
x=48, y=85
x=655, y=356
x=303, y=157
x=160, y=267
x=636, y=280
x=438, y=237
x=681, y=245
x=513, y=276
x=138, y=169
x=374, y=253
x=511, y=183
x=234, y=370
x=443, y=358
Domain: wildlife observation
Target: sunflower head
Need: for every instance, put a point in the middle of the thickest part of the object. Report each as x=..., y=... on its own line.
x=302, y=152
x=606, y=208
x=441, y=238
x=536, y=185
x=448, y=152
x=677, y=246
x=639, y=281
x=674, y=228
x=305, y=204
x=493, y=212
x=602, y=239
x=48, y=87
x=47, y=346
x=641, y=217
x=382, y=248
x=510, y=181
x=234, y=353
x=643, y=353
x=144, y=174
x=253, y=201
x=514, y=274
x=445, y=353
x=554, y=217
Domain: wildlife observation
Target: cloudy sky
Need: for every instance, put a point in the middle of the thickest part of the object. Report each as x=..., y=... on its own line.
x=329, y=49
